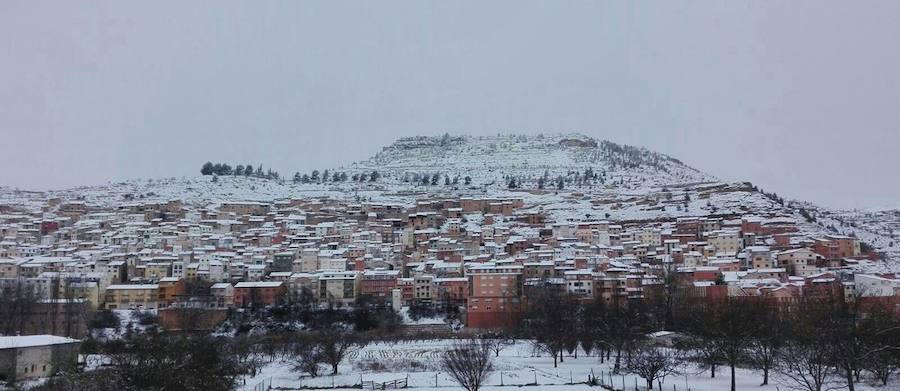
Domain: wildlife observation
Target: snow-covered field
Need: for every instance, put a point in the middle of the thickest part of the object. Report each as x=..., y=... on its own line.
x=518, y=365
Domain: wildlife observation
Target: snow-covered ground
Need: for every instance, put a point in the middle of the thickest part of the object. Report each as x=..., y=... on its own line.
x=518, y=365
x=406, y=319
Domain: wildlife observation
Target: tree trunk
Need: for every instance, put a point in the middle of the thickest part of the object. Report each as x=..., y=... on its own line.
x=765, y=375
x=649, y=385
x=618, y=359
x=850, y=386
x=334, y=368
x=733, y=386
x=561, y=356
x=713, y=370
x=554, y=360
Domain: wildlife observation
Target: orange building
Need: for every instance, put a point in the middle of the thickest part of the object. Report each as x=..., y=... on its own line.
x=495, y=296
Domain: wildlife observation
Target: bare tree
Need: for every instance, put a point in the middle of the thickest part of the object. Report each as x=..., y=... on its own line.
x=804, y=365
x=766, y=344
x=857, y=332
x=497, y=341
x=175, y=362
x=805, y=361
x=305, y=354
x=624, y=325
x=96, y=380
x=249, y=353
x=883, y=364
x=336, y=344
x=550, y=319
x=469, y=363
x=728, y=327
x=653, y=362
x=705, y=353
x=18, y=302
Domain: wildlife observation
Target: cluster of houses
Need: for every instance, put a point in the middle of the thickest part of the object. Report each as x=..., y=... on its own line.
x=480, y=254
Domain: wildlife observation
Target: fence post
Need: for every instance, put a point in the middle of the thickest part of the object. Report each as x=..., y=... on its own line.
x=571, y=380
x=501, y=378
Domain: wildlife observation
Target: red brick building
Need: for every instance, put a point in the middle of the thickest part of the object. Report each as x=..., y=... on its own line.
x=259, y=293
x=495, y=296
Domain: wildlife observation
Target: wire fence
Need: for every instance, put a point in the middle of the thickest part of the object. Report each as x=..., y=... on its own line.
x=602, y=379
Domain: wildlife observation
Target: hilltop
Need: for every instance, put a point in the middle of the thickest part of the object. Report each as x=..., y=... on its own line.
x=495, y=160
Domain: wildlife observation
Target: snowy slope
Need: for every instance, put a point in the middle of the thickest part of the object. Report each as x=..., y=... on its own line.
x=491, y=159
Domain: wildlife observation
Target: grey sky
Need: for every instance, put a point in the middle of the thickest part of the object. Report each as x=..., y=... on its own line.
x=799, y=97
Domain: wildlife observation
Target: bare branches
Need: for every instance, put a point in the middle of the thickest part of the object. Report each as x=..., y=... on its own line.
x=653, y=362
x=305, y=354
x=336, y=344
x=804, y=365
x=469, y=363
x=551, y=319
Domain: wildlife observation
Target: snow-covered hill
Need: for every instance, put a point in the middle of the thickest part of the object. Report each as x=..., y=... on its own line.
x=598, y=180
x=495, y=160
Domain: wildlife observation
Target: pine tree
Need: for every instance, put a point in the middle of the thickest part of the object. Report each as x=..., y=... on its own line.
x=207, y=168
x=374, y=177
x=297, y=177
x=467, y=180
x=239, y=170
x=248, y=170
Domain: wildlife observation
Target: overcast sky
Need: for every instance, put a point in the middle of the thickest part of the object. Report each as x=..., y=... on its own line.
x=802, y=98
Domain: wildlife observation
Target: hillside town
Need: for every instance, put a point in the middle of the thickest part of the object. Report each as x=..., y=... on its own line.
x=477, y=254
